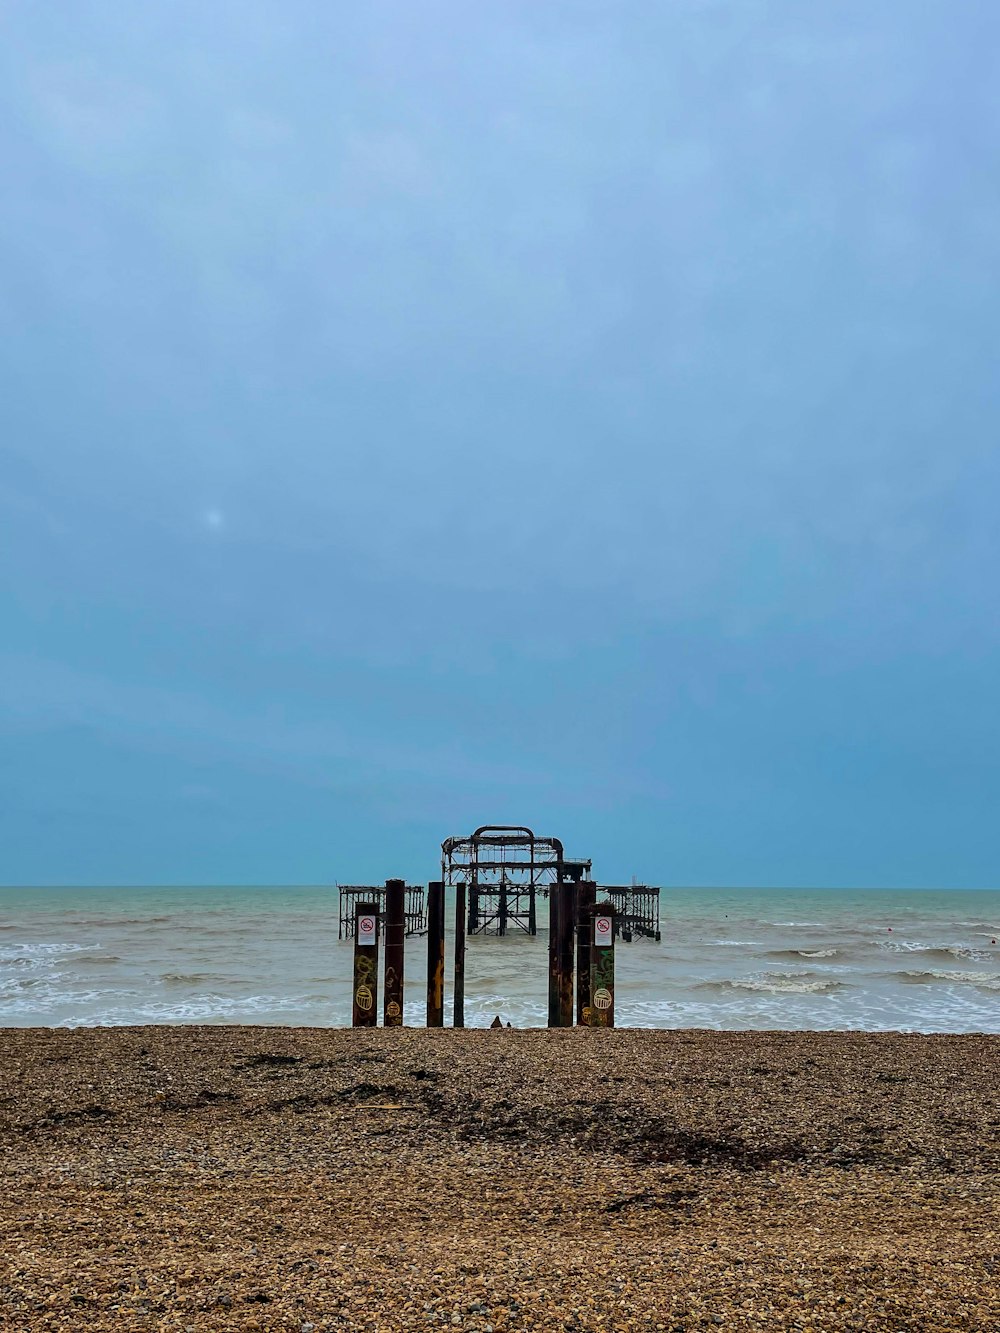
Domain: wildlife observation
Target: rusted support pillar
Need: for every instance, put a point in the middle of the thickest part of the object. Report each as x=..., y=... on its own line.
x=395, y=929
x=365, y=1009
x=458, y=1012
x=585, y=899
x=473, y=922
x=567, y=920
x=435, y=954
x=554, y=956
x=602, y=966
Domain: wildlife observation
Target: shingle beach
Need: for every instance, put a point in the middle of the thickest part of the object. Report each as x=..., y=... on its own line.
x=307, y=1180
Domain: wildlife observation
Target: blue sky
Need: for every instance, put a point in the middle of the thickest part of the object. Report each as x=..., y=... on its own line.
x=415, y=416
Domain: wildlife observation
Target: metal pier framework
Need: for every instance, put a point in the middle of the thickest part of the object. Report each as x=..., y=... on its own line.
x=637, y=910
x=500, y=872
x=497, y=874
x=415, y=915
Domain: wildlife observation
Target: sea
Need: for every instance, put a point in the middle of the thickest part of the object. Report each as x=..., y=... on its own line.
x=818, y=959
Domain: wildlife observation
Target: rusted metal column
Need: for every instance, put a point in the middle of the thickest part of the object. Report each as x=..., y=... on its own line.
x=458, y=1010
x=602, y=966
x=435, y=954
x=395, y=930
x=585, y=899
x=554, y=956
x=472, y=924
x=567, y=920
x=365, y=1009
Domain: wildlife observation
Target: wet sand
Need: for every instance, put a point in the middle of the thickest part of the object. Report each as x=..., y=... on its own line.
x=274, y=1179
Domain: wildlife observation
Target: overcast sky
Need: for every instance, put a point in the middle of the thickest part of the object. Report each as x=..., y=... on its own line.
x=415, y=416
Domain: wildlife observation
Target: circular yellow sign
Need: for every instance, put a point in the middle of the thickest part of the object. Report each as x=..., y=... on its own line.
x=602, y=1000
x=363, y=997
x=392, y=1009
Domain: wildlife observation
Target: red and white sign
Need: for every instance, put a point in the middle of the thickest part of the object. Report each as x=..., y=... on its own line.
x=366, y=929
x=603, y=935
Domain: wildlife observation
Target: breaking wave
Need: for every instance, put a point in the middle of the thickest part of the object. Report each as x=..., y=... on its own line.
x=778, y=983
x=989, y=980
x=942, y=952
x=802, y=953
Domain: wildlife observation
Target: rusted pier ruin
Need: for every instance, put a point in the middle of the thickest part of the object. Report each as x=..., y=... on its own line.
x=497, y=875
x=500, y=872
x=414, y=916
x=637, y=910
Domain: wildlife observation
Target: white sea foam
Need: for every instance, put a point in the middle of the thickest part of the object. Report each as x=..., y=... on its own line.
x=196, y=1009
x=49, y=948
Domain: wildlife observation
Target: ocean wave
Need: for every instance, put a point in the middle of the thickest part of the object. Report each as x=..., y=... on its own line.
x=735, y=944
x=802, y=953
x=38, y=950
x=941, y=952
x=48, y=998
x=191, y=978
x=777, y=983
x=990, y=980
x=14, y=985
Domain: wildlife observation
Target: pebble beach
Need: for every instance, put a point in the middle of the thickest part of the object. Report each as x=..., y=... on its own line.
x=213, y=1178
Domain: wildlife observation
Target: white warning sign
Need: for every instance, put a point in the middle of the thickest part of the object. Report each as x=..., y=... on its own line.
x=366, y=929
x=603, y=934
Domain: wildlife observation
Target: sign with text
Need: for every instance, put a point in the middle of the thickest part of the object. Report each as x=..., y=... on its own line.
x=364, y=1011
x=367, y=926
x=602, y=970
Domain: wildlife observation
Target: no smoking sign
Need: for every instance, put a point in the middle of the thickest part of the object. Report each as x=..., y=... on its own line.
x=602, y=931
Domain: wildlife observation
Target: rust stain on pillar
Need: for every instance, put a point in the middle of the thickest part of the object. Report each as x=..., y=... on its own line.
x=435, y=954
x=395, y=930
x=586, y=897
x=364, y=1013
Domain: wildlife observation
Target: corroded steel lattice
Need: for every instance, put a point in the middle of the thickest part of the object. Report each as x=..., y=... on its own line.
x=504, y=870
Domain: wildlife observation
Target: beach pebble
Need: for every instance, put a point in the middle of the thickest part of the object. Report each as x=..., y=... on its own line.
x=309, y=1180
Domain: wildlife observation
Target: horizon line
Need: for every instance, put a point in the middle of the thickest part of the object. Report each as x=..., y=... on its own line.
x=727, y=888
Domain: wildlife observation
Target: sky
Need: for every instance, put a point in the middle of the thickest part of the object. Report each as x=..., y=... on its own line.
x=418, y=416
